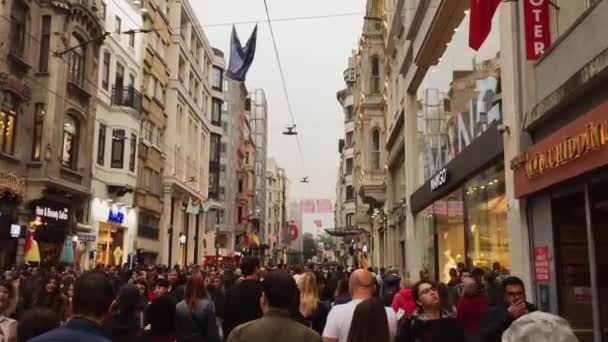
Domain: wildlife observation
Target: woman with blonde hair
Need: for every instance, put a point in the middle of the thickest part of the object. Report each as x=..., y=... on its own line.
x=311, y=307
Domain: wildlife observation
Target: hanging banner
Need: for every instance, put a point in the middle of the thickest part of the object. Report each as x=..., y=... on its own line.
x=541, y=264
x=538, y=32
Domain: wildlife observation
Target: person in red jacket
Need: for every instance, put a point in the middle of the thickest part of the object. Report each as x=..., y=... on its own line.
x=404, y=304
x=471, y=309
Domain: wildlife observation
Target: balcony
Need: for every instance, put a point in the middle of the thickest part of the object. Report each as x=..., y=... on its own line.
x=148, y=232
x=127, y=97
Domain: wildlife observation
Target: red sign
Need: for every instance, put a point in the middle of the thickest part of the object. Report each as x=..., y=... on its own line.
x=541, y=264
x=307, y=206
x=293, y=232
x=325, y=206
x=538, y=32
x=318, y=223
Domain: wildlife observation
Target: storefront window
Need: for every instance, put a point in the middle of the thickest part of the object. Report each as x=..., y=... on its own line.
x=487, y=220
x=599, y=210
x=425, y=241
x=449, y=219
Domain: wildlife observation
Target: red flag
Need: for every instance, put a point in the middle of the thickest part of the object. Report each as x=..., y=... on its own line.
x=480, y=21
x=28, y=241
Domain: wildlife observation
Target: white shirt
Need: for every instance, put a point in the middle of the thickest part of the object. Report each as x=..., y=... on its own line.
x=8, y=329
x=341, y=316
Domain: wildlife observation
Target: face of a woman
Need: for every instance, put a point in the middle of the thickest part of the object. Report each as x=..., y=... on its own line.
x=4, y=297
x=51, y=286
x=141, y=288
x=217, y=283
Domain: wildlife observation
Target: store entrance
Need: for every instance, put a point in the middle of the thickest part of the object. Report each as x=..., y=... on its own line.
x=110, y=240
x=583, y=278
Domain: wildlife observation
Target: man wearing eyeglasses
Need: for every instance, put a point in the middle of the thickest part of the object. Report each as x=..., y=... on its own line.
x=500, y=317
x=361, y=287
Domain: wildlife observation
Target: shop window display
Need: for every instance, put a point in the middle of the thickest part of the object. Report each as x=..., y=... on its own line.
x=487, y=220
x=449, y=218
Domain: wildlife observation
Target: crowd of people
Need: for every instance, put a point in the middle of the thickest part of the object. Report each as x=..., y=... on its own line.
x=251, y=303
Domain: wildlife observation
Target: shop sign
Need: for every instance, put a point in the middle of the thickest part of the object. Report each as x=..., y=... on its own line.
x=582, y=295
x=15, y=230
x=541, y=264
x=538, y=32
x=116, y=217
x=47, y=212
x=579, y=147
x=439, y=180
x=86, y=237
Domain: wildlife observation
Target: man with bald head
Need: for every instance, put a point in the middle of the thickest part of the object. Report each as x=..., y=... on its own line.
x=361, y=286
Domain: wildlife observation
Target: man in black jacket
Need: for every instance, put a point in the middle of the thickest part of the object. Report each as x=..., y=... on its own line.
x=242, y=301
x=499, y=317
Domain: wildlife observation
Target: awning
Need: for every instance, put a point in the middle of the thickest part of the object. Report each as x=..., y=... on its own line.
x=341, y=232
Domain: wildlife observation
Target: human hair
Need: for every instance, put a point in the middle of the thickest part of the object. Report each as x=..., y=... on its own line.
x=309, y=294
x=51, y=300
x=249, y=265
x=195, y=290
x=93, y=294
x=280, y=290
x=510, y=281
x=445, y=297
x=416, y=291
x=341, y=288
x=162, y=282
x=369, y=323
x=11, y=292
x=477, y=272
x=128, y=299
x=141, y=281
x=160, y=314
x=37, y=322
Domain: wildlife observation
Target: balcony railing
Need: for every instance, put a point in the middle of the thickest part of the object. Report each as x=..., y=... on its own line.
x=126, y=96
x=148, y=232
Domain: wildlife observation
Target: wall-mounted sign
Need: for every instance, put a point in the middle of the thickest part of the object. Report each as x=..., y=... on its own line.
x=579, y=147
x=52, y=213
x=15, y=230
x=116, y=217
x=541, y=264
x=538, y=32
x=439, y=179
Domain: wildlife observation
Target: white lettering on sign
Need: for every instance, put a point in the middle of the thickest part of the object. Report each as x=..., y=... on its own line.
x=439, y=180
x=536, y=22
x=59, y=215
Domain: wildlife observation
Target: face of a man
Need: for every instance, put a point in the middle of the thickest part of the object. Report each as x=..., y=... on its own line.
x=4, y=297
x=141, y=288
x=514, y=294
x=51, y=286
x=161, y=291
x=172, y=277
x=427, y=296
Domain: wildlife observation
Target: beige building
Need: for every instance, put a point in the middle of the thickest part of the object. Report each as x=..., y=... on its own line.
x=47, y=120
x=187, y=136
x=277, y=195
x=152, y=149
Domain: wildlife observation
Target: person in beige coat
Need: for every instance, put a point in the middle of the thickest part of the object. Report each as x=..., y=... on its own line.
x=279, y=293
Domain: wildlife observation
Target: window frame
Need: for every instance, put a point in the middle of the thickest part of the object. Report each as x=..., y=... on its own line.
x=118, y=142
x=101, y=144
x=45, y=43
x=375, y=75
x=376, y=149
x=38, y=129
x=9, y=113
x=72, y=162
x=105, y=80
x=132, y=152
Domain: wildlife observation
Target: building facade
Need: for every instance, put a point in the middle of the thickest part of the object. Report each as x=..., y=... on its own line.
x=47, y=122
x=187, y=136
x=277, y=187
x=246, y=189
x=116, y=139
x=148, y=195
x=258, y=119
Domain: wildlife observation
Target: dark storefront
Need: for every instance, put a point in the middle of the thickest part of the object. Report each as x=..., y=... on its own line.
x=12, y=189
x=564, y=177
x=51, y=223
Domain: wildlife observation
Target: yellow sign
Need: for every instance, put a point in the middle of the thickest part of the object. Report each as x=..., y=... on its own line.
x=569, y=149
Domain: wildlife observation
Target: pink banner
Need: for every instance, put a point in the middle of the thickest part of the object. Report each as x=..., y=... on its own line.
x=324, y=206
x=307, y=206
x=318, y=223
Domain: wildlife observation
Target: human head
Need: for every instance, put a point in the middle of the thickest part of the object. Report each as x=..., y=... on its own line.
x=93, y=296
x=279, y=291
x=161, y=287
x=128, y=299
x=51, y=284
x=172, y=276
x=477, y=274
x=425, y=295
x=361, y=284
x=250, y=266
x=195, y=290
x=453, y=274
x=470, y=287
x=369, y=322
x=36, y=322
x=6, y=293
x=309, y=293
x=514, y=290
x=341, y=288
x=216, y=282
x=142, y=287
x=424, y=275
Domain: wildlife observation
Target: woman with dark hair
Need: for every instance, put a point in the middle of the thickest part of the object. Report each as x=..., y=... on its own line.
x=67, y=289
x=50, y=297
x=142, y=287
x=429, y=322
x=369, y=323
x=195, y=318
x=342, y=296
x=125, y=325
x=35, y=323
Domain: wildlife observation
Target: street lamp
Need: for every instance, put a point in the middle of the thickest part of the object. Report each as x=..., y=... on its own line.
x=182, y=239
x=182, y=243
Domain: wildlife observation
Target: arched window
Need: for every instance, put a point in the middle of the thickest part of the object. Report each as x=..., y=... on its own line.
x=376, y=149
x=375, y=75
x=70, y=142
x=77, y=60
x=8, y=123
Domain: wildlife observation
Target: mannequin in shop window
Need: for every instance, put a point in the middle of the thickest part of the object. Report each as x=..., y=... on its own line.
x=117, y=256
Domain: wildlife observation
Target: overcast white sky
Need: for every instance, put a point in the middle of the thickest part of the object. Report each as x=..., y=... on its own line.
x=314, y=54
